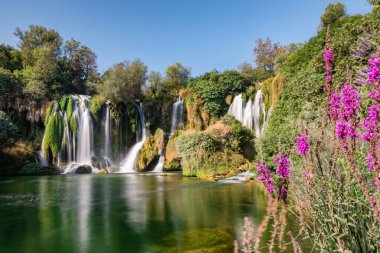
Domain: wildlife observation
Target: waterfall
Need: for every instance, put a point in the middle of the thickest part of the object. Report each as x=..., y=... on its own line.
x=107, y=131
x=66, y=140
x=237, y=108
x=85, y=130
x=258, y=110
x=177, y=115
x=177, y=121
x=128, y=165
x=160, y=165
x=248, y=113
x=41, y=157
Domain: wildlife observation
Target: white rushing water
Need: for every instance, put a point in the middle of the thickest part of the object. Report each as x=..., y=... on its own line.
x=177, y=122
x=107, y=131
x=128, y=165
x=85, y=129
x=177, y=115
x=251, y=115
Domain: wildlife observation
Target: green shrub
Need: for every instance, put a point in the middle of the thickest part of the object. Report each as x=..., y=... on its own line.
x=37, y=170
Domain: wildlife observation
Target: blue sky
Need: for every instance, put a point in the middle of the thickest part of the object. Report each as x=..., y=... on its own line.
x=201, y=34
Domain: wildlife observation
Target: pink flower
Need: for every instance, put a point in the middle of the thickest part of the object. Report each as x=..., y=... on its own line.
x=265, y=176
x=302, y=144
x=334, y=105
x=283, y=168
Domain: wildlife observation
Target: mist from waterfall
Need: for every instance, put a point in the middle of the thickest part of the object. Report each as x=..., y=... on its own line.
x=128, y=165
x=250, y=114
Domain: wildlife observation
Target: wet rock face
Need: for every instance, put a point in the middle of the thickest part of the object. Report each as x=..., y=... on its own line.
x=83, y=169
x=151, y=151
x=100, y=162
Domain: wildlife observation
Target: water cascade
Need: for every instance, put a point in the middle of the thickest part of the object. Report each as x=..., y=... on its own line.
x=128, y=165
x=177, y=122
x=107, y=131
x=85, y=129
x=177, y=115
x=66, y=149
x=251, y=115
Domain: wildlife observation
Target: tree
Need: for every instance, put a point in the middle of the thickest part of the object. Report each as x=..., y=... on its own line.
x=374, y=2
x=265, y=53
x=333, y=12
x=176, y=76
x=254, y=74
x=36, y=38
x=81, y=64
x=154, y=83
x=123, y=82
x=10, y=58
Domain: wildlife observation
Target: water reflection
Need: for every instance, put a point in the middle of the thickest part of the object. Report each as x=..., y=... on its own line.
x=123, y=213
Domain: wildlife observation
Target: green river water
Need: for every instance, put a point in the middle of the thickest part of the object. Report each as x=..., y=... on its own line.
x=125, y=213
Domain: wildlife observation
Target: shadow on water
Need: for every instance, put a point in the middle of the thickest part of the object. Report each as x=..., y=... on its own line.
x=125, y=213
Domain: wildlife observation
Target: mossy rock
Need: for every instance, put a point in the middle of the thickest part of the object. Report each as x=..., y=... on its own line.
x=83, y=169
x=37, y=170
x=172, y=156
x=70, y=107
x=53, y=134
x=151, y=151
x=97, y=103
x=210, y=240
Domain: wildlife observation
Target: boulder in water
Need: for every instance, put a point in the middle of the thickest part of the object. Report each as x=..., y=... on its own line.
x=100, y=162
x=83, y=169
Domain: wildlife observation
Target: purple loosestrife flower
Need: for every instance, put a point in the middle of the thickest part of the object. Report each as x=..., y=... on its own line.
x=374, y=69
x=265, y=176
x=302, y=144
x=334, y=105
x=328, y=54
x=346, y=121
x=283, y=168
x=350, y=102
x=371, y=123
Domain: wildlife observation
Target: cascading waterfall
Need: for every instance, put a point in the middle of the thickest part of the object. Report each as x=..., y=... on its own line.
x=66, y=140
x=85, y=141
x=177, y=121
x=237, y=108
x=107, y=131
x=177, y=115
x=258, y=110
x=251, y=115
x=128, y=165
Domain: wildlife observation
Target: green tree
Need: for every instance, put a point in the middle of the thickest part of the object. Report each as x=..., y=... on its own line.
x=333, y=12
x=254, y=74
x=266, y=52
x=374, y=2
x=40, y=49
x=176, y=76
x=38, y=38
x=123, y=82
x=10, y=58
x=154, y=82
x=81, y=64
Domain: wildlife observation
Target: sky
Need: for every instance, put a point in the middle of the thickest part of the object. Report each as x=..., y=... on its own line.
x=201, y=34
